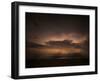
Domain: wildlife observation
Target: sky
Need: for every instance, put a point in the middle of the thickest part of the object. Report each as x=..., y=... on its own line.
x=61, y=32
x=50, y=27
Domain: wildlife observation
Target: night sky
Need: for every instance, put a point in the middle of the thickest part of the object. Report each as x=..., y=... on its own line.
x=56, y=34
x=42, y=28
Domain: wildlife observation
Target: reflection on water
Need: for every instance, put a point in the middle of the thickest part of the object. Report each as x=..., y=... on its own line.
x=46, y=57
x=47, y=52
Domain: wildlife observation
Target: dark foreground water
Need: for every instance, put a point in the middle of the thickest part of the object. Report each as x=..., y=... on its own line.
x=33, y=63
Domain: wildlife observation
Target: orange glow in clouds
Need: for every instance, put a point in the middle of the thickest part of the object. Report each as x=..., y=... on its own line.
x=73, y=37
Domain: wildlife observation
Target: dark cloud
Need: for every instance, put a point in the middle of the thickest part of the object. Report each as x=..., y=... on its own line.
x=59, y=43
x=33, y=45
x=68, y=43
